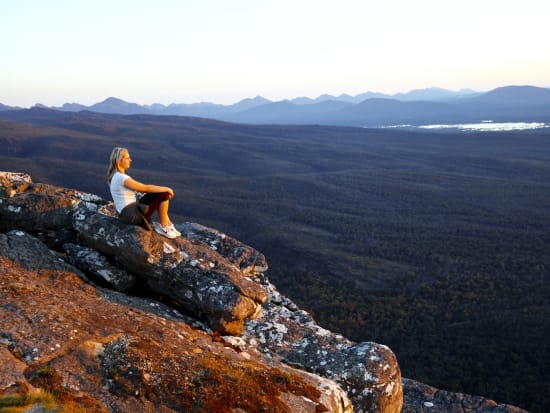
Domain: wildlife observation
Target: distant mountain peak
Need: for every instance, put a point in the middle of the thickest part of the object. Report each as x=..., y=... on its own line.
x=249, y=103
x=116, y=105
x=256, y=99
x=432, y=93
x=525, y=94
x=113, y=99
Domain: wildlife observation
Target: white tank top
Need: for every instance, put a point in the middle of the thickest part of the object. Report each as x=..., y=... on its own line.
x=122, y=196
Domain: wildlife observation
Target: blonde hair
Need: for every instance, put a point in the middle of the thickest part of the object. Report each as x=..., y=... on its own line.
x=115, y=157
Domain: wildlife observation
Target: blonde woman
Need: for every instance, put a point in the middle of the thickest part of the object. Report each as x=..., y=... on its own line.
x=138, y=210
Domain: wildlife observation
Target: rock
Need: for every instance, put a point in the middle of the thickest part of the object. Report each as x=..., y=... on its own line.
x=42, y=209
x=421, y=398
x=93, y=263
x=37, y=207
x=12, y=378
x=217, y=278
x=99, y=350
x=13, y=182
x=191, y=273
x=247, y=259
x=31, y=252
x=201, y=280
x=367, y=371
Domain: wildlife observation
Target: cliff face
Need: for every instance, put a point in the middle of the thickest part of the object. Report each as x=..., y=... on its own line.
x=78, y=331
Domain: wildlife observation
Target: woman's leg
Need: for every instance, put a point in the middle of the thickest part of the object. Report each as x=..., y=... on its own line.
x=157, y=202
x=163, y=213
x=160, y=203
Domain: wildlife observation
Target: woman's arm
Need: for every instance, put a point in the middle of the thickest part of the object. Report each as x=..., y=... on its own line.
x=134, y=185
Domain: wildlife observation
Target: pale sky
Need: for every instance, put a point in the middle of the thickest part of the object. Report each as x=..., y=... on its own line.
x=221, y=51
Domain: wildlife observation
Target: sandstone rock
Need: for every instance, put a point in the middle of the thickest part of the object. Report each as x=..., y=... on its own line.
x=249, y=260
x=44, y=210
x=367, y=371
x=93, y=263
x=31, y=253
x=421, y=398
x=99, y=354
x=37, y=207
x=207, y=273
x=197, y=277
x=12, y=378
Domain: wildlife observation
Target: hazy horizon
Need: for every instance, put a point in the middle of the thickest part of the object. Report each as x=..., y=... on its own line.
x=223, y=52
x=258, y=96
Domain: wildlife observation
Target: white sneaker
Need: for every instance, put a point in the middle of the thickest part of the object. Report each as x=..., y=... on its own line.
x=168, y=231
x=174, y=229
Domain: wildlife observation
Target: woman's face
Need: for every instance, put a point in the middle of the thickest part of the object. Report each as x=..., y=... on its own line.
x=124, y=161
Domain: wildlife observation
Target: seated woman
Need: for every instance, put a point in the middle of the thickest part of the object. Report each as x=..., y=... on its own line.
x=134, y=210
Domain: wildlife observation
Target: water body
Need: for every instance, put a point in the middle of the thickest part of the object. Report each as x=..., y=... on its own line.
x=482, y=126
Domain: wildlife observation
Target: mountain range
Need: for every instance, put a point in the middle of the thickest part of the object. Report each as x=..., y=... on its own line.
x=418, y=107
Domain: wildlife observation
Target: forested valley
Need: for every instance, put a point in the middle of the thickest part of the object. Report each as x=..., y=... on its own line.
x=436, y=244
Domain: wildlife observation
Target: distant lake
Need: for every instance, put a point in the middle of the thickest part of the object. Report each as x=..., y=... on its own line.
x=482, y=126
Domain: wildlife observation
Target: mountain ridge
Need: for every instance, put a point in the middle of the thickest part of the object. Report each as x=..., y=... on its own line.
x=370, y=109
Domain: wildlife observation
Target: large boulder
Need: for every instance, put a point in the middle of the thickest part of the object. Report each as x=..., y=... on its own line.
x=194, y=275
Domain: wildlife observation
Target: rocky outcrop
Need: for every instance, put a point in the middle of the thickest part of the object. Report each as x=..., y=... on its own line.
x=194, y=275
x=369, y=372
x=228, y=343
x=212, y=277
x=65, y=344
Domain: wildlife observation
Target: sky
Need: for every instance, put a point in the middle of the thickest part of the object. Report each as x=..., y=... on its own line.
x=221, y=51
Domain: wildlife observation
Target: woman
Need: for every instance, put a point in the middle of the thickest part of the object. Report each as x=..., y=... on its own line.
x=136, y=211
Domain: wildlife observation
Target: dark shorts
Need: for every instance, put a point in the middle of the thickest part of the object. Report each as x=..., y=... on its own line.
x=134, y=213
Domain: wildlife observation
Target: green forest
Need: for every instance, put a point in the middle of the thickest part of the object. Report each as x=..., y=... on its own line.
x=436, y=244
